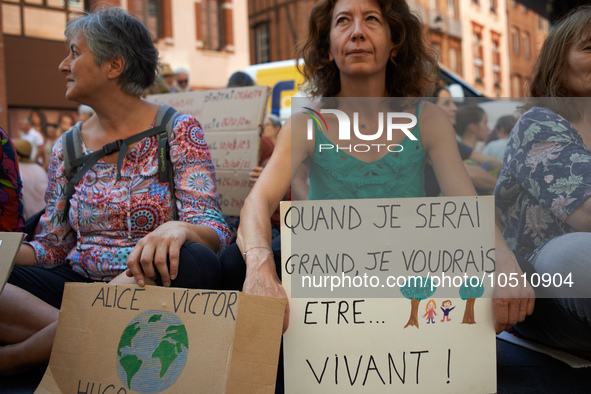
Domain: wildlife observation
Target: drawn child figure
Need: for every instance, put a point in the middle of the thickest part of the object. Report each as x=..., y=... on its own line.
x=445, y=307
x=430, y=314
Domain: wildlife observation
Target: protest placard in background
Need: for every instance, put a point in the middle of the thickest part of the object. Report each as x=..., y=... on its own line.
x=376, y=335
x=10, y=243
x=230, y=119
x=131, y=339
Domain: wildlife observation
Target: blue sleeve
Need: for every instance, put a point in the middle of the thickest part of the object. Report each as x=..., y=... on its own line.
x=551, y=162
x=465, y=150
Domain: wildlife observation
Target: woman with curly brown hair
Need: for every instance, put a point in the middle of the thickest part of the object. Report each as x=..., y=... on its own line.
x=371, y=51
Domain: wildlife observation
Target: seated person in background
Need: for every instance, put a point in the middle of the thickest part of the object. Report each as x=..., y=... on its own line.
x=29, y=133
x=471, y=127
x=182, y=81
x=544, y=186
x=121, y=222
x=38, y=119
x=51, y=137
x=65, y=122
x=158, y=87
x=166, y=72
x=240, y=79
x=502, y=130
x=84, y=112
x=34, y=179
x=479, y=176
x=271, y=127
x=11, y=194
x=442, y=98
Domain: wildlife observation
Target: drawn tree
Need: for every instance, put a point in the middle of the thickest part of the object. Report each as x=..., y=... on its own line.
x=469, y=293
x=417, y=289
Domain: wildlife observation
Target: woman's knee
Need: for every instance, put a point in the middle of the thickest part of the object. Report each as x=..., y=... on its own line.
x=563, y=262
x=199, y=267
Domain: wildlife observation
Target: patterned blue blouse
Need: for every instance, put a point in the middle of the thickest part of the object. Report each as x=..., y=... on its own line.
x=546, y=175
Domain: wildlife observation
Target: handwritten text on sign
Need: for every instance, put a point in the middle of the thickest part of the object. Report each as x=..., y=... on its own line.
x=440, y=240
x=230, y=119
x=381, y=336
x=124, y=339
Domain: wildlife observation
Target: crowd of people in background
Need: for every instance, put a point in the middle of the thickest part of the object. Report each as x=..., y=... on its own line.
x=32, y=145
x=542, y=191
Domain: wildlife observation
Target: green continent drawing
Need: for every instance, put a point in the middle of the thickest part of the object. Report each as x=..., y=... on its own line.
x=167, y=351
x=152, y=352
x=128, y=334
x=154, y=318
x=131, y=364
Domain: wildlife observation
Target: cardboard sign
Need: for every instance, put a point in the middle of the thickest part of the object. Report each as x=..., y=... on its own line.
x=231, y=120
x=129, y=339
x=358, y=321
x=10, y=243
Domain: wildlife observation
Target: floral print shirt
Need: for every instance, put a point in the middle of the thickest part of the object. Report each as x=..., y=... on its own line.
x=108, y=217
x=11, y=198
x=546, y=175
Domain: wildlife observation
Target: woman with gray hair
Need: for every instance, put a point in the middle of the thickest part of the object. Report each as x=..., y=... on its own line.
x=84, y=112
x=271, y=127
x=120, y=226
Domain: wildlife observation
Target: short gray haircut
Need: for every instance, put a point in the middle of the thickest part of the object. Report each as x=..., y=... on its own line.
x=114, y=32
x=181, y=70
x=275, y=121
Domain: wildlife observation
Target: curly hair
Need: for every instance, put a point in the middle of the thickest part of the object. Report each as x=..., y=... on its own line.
x=412, y=75
x=548, y=87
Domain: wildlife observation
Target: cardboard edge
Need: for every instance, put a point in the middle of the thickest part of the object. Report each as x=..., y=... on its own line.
x=15, y=239
x=254, y=358
x=49, y=382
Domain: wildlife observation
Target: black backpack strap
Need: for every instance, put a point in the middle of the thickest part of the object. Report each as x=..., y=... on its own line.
x=77, y=164
x=72, y=149
x=165, y=167
x=166, y=117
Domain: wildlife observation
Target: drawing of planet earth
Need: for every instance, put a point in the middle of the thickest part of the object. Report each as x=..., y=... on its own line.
x=152, y=352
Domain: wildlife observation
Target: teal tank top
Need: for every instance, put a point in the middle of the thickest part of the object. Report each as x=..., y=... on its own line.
x=338, y=175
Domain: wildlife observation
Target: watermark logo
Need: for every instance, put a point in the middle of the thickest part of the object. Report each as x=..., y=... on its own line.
x=318, y=120
x=318, y=123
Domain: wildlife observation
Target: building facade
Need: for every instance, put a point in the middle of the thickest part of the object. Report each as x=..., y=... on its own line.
x=276, y=27
x=207, y=37
x=485, y=46
x=443, y=30
x=33, y=48
x=526, y=34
